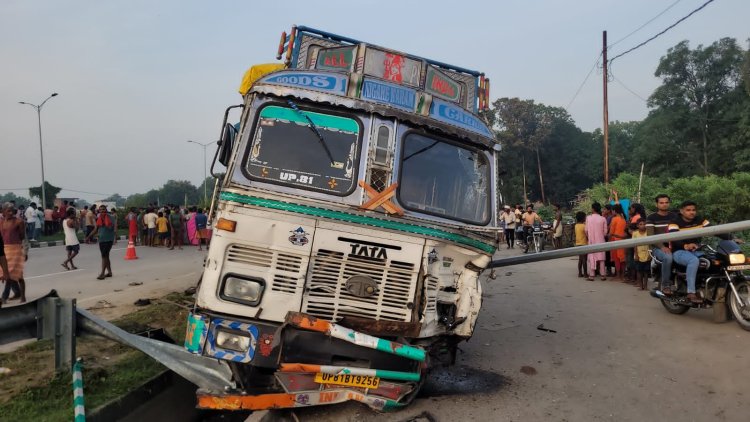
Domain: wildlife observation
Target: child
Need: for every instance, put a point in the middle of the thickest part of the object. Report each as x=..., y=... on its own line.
x=162, y=228
x=641, y=256
x=581, y=240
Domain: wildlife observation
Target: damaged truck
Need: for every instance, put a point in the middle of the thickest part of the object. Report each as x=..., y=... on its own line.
x=355, y=215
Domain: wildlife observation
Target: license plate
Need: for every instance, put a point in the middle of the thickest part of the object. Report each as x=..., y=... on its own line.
x=349, y=380
x=738, y=267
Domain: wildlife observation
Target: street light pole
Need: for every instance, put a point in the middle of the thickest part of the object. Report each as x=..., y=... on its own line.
x=41, y=149
x=205, y=174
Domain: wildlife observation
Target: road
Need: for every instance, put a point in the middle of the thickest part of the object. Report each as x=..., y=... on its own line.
x=158, y=269
x=616, y=355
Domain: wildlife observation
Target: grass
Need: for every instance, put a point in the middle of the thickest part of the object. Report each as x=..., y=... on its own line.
x=33, y=392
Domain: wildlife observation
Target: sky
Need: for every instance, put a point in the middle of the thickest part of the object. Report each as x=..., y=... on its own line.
x=137, y=79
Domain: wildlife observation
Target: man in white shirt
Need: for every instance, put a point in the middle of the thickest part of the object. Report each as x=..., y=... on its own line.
x=31, y=217
x=150, y=221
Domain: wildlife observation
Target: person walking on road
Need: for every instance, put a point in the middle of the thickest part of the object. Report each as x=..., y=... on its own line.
x=510, y=226
x=596, y=231
x=13, y=231
x=72, y=246
x=106, y=231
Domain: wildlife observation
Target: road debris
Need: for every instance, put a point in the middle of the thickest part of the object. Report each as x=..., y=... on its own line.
x=102, y=304
x=142, y=302
x=528, y=370
x=541, y=328
x=135, y=283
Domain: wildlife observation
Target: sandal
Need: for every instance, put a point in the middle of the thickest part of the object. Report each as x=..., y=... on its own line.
x=667, y=291
x=604, y=278
x=590, y=278
x=65, y=266
x=101, y=277
x=694, y=299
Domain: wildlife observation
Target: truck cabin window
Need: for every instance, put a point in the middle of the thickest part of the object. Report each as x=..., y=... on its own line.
x=304, y=149
x=445, y=180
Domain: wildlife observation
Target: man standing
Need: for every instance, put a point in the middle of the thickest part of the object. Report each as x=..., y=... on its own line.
x=685, y=252
x=658, y=223
x=201, y=223
x=105, y=228
x=509, y=217
x=596, y=230
x=31, y=217
x=89, y=221
x=150, y=221
x=176, y=224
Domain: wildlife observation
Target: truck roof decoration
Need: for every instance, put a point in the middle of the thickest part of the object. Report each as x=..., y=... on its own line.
x=320, y=61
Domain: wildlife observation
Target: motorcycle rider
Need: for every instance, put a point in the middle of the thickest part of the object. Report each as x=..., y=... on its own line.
x=658, y=223
x=529, y=218
x=685, y=252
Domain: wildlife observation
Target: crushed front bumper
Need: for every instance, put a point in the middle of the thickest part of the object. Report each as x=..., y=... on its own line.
x=291, y=354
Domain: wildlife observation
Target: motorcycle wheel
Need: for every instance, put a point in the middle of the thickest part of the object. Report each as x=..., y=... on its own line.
x=674, y=308
x=743, y=289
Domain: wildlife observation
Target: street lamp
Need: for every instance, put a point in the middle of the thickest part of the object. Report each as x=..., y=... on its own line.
x=41, y=150
x=205, y=175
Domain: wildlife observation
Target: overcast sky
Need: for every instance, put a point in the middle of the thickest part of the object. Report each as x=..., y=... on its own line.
x=138, y=78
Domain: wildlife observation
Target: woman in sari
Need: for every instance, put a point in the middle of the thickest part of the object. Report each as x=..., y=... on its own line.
x=13, y=230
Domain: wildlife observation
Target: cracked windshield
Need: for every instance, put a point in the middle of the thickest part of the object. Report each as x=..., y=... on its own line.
x=445, y=180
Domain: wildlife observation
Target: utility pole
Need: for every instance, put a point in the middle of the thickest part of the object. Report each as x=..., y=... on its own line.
x=605, y=128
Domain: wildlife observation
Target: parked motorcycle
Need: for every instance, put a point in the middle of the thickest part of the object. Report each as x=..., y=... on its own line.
x=720, y=280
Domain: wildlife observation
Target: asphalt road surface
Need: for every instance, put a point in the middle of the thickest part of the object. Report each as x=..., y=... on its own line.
x=615, y=355
x=158, y=269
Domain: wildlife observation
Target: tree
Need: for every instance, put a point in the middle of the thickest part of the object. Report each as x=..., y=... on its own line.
x=696, y=84
x=10, y=196
x=175, y=192
x=50, y=192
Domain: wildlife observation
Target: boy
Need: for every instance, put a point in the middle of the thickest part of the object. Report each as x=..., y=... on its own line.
x=162, y=228
x=641, y=256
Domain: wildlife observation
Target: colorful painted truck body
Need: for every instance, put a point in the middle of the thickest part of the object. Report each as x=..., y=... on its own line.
x=350, y=227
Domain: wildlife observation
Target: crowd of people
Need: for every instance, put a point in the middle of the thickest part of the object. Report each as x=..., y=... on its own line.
x=611, y=222
x=608, y=223
x=156, y=226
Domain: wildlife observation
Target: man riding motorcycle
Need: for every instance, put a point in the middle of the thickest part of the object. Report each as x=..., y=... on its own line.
x=658, y=223
x=685, y=252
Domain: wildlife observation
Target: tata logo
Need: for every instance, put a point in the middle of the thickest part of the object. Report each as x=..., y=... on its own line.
x=368, y=251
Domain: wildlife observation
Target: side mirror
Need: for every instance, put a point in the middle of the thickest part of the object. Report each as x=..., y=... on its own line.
x=226, y=144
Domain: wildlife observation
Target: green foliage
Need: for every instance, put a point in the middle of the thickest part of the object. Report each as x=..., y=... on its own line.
x=50, y=193
x=720, y=199
x=10, y=196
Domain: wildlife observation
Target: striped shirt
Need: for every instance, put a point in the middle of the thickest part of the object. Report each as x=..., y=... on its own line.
x=679, y=224
x=659, y=224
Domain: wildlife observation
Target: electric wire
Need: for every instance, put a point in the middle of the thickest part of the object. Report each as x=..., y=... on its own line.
x=628, y=89
x=584, y=81
x=642, y=26
x=662, y=32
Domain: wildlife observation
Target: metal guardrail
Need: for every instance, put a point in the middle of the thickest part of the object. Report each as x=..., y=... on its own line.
x=622, y=244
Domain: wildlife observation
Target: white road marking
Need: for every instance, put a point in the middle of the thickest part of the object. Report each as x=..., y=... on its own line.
x=48, y=275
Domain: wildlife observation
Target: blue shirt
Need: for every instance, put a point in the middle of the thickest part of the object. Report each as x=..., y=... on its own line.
x=200, y=221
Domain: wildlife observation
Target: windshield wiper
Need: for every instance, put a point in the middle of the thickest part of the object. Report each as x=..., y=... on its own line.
x=314, y=128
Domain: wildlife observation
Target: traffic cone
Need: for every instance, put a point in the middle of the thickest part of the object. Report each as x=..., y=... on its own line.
x=130, y=252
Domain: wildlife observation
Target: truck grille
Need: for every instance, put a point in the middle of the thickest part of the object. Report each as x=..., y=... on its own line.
x=285, y=267
x=326, y=296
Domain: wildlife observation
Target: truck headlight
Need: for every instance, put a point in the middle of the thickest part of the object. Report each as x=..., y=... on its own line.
x=232, y=341
x=736, y=258
x=242, y=290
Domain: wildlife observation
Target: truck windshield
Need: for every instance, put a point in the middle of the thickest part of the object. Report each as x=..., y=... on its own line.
x=445, y=180
x=286, y=151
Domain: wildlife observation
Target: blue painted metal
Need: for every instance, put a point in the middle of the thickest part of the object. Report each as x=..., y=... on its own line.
x=387, y=93
x=216, y=351
x=453, y=114
x=334, y=83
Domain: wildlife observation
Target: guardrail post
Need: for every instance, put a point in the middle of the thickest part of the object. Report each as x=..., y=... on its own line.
x=57, y=321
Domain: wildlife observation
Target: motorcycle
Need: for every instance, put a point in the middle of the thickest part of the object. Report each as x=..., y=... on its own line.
x=536, y=237
x=720, y=280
